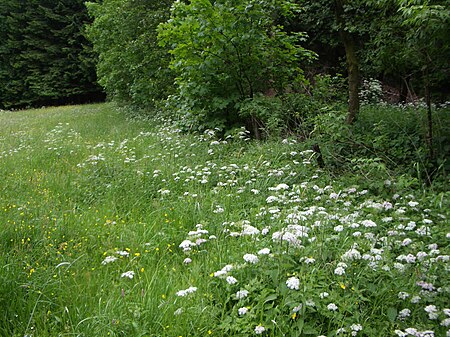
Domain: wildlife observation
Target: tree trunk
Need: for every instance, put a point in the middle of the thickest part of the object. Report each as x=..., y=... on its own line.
x=352, y=63
x=429, y=137
x=319, y=157
x=403, y=93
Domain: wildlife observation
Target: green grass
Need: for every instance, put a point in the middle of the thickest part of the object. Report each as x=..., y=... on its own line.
x=83, y=183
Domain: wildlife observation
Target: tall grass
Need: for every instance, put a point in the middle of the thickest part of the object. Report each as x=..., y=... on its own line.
x=105, y=222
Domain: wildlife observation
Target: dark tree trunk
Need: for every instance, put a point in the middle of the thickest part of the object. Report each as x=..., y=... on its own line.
x=255, y=127
x=319, y=157
x=403, y=94
x=352, y=63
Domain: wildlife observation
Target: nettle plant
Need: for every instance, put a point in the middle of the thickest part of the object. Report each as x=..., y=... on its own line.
x=224, y=52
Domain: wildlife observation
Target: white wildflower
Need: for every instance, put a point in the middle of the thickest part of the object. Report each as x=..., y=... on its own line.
x=231, y=280
x=323, y=295
x=339, y=228
x=183, y=293
x=264, y=251
x=293, y=283
x=259, y=329
x=186, y=245
x=350, y=255
x=340, y=330
x=446, y=322
x=403, y=295
x=242, y=311
x=271, y=199
x=356, y=327
x=406, y=242
x=332, y=307
x=129, y=274
x=415, y=299
x=249, y=230
x=432, y=311
x=242, y=294
x=109, y=259
x=404, y=313
x=368, y=223
x=251, y=258
x=339, y=271
x=297, y=308
x=310, y=260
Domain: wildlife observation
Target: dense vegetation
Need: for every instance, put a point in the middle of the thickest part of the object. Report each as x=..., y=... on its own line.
x=45, y=59
x=265, y=167
x=283, y=67
x=118, y=227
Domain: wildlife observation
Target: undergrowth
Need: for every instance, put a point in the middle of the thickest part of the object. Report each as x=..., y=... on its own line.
x=127, y=227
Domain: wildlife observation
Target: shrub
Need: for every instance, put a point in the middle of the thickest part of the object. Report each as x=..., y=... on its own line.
x=226, y=52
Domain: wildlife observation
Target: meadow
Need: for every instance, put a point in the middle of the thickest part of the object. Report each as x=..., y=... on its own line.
x=112, y=226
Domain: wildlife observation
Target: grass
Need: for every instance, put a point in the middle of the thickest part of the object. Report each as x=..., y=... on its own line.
x=119, y=227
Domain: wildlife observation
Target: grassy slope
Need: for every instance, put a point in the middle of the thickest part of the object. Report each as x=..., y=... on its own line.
x=82, y=183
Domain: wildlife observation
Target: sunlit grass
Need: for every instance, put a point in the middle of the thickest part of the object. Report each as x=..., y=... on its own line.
x=104, y=220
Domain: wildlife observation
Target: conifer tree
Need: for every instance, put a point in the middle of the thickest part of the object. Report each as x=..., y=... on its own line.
x=45, y=57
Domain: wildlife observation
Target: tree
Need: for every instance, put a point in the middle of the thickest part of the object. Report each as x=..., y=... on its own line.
x=224, y=52
x=132, y=67
x=427, y=24
x=332, y=25
x=349, y=40
x=46, y=58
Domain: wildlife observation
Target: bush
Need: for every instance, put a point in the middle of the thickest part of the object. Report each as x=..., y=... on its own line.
x=227, y=52
x=388, y=137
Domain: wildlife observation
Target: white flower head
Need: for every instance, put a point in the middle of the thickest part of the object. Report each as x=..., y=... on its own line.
x=332, y=307
x=231, y=280
x=368, y=223
x=350, y=255
x=264, y=251
x=293, y=283
x=183, y=293
x=323, y=295
x=356, y=327
x=242, y=294
x=259, y=329
x=242, y=311
x=432, y=311
x=129, y=274
x=404, y=313
x=251, y=258
x=339, y=271
x=109, y=259
x=403, y=295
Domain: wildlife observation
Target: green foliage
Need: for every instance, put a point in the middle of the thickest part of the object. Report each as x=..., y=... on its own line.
x=387, y=138
x=427, y=37
x=44, y=56
x=105, y=222
x=132, y=68
x=296, y=112
x=225, y=52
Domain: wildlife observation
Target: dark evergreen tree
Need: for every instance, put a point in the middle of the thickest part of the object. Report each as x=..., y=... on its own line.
x=45, y=57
